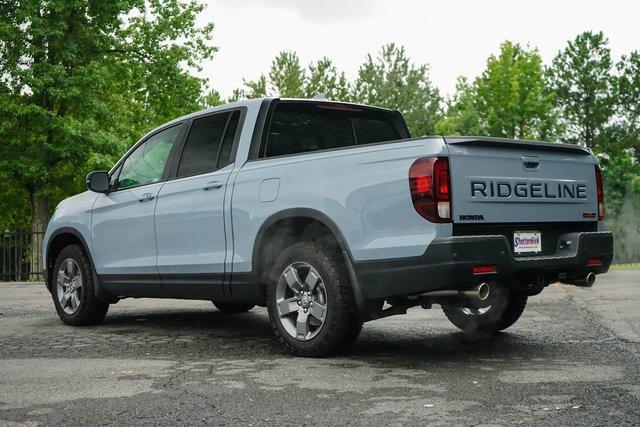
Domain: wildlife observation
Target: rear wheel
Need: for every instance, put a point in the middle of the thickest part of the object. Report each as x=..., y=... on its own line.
x=232, y=307
x=504, y=309
x=310, y=301
x=73, y=289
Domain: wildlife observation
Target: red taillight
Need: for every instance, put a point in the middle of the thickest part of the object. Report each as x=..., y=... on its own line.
x=600, y=193
x=592, y=262
x=423, y=184
x=484, y=269
x=441, y=172
x=430, y=184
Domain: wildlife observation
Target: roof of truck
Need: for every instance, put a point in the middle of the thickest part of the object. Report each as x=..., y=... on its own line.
x=255, y=102
x=258, y=101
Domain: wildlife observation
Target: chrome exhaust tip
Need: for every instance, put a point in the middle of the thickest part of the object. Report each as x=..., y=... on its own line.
x=483, y=290
x=479, y=292
x=586, y=281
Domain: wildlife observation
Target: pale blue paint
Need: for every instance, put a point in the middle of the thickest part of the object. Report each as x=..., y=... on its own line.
x=188, y=209
x=124, y=238
x=269, y=190
x=363, y=190
x=472, y=163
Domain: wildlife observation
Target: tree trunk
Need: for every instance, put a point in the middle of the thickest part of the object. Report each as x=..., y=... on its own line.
x=40, y=211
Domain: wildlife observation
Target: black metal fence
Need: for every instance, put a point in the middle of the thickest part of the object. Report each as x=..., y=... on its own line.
x=21, y=256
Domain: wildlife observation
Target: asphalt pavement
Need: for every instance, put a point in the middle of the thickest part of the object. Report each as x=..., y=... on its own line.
x=572, y=359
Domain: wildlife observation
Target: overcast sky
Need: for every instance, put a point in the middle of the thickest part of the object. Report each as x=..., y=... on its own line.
x=454, y=36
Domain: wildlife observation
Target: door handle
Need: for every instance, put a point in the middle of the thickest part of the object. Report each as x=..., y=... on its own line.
x=212, y=185
x=146, y=197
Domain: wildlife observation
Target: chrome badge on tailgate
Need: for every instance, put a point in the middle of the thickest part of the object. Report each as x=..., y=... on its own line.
x=528, y=189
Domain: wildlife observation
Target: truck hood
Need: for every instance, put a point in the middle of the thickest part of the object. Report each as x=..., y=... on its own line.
x=81, y=202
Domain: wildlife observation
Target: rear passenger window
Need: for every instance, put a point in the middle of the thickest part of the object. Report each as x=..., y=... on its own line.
x=301, y=127
x=227, y=143
x=200, y=152
x=373, y=129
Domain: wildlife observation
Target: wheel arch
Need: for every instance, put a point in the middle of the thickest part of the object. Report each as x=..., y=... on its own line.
x=284, y=227
x=60, y=239
x=309, y=221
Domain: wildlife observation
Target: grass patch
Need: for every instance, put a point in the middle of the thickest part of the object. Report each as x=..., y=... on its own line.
x=625, y=267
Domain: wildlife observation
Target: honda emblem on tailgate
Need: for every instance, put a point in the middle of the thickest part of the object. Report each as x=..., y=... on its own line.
x=471, y=217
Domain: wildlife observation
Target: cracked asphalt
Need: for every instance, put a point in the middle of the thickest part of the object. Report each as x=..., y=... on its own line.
x=573, y=358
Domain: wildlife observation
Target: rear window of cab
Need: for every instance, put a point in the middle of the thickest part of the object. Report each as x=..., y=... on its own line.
x=302, y=127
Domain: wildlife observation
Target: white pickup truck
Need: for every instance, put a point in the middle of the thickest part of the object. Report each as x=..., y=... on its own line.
x=330, y=215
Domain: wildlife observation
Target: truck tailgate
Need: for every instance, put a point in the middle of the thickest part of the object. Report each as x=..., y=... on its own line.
x=504, y=181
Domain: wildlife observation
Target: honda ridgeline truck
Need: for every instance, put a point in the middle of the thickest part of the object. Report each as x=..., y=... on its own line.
x=330, y=215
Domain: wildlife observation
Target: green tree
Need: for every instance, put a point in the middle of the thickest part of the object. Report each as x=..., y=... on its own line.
x=621, y=178
x=582, y=79
x=213, y=98
x=509, y=99
x=391, y=80
x=287, y=75
x=151, y=72
x=511, y=95
x=257, y=88
x=628, y=95
x=287, y=78
x=80, y=80
x=324, y=78
x=251, y=89
x=463, y=117
x=626, y=231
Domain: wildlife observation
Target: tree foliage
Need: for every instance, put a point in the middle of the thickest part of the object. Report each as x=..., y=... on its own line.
x=621, y=178
x=289, y=79
x=463, y=116
x=512, y=97
x=582, y=79
x=626, y=230
x=509, y=99
x=391, y=80
x=324, y=78
x=287, y=75
x=628, y=95
x=386, y=80
x=80, y=80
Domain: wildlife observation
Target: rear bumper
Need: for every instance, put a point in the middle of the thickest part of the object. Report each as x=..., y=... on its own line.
x=448, y=264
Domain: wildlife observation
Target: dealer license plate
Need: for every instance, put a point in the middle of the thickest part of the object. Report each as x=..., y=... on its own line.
x=527, y=242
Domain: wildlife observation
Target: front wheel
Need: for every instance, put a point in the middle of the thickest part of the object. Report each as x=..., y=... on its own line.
x=311, y=303
x=73, y=289
x=505, y=309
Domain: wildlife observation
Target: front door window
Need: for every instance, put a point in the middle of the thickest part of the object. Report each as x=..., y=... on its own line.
x=146, y=163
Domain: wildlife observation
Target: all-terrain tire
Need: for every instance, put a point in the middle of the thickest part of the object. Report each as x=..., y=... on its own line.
x=89, y=311
x=498, y=317
x=342, y=323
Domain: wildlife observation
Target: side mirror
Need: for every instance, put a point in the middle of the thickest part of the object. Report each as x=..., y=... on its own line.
x=98, y=181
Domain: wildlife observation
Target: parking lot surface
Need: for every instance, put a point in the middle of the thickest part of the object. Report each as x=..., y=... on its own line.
x=573, y=358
